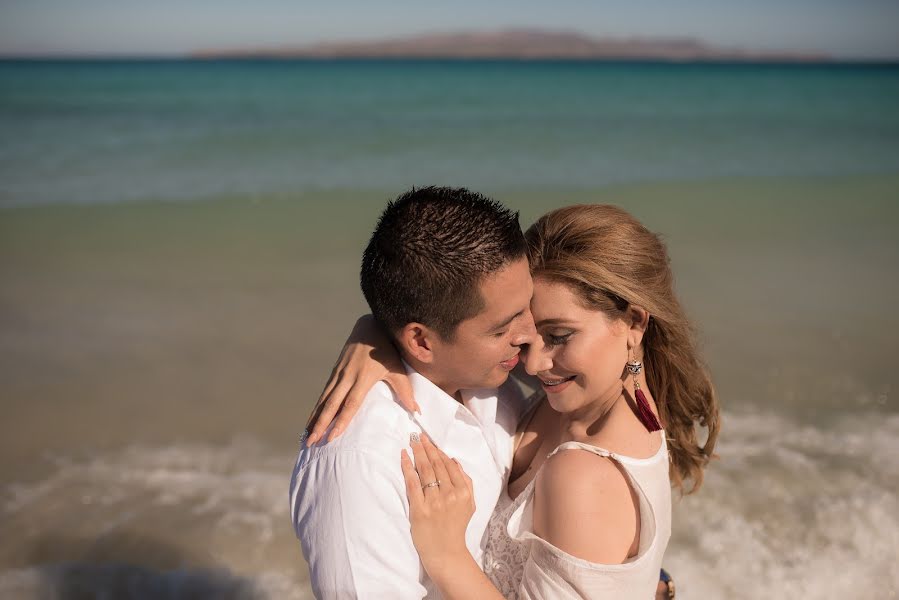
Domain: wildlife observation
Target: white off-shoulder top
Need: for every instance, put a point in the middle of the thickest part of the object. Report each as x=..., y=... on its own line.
x=523, y=566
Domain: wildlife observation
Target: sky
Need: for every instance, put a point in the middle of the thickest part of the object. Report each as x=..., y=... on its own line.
x=852, y=29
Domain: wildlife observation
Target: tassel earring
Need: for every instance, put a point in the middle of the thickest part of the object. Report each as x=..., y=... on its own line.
x=644, y=412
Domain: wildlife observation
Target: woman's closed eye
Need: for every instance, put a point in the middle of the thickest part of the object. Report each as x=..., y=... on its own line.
x=551, y=339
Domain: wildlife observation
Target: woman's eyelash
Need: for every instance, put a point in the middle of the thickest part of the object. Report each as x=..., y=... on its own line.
x=556, y=340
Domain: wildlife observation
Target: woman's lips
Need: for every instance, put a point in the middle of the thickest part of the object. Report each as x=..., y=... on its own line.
x=508, y=365
x=554, y=386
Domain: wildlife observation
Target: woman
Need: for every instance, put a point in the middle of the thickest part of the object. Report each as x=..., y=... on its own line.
x=588, y=510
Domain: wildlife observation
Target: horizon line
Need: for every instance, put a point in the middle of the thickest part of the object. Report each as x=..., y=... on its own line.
x=360, y=48
x=190, y=57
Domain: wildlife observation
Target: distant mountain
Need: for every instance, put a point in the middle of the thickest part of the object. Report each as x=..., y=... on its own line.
x=524, y=44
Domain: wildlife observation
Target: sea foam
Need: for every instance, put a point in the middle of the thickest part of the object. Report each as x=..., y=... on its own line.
x=787, y=511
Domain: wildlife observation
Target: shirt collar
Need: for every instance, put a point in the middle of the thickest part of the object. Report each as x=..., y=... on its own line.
x=439, y=409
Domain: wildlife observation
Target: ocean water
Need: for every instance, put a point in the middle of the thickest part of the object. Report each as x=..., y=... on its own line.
x=117, y=131
x=179, y=246
x=813, y=506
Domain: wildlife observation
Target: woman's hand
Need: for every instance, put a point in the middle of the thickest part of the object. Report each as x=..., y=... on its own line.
x=441, y=503
x=367, y=357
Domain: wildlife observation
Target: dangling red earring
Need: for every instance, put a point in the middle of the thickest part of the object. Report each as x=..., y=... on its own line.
x=644, y=412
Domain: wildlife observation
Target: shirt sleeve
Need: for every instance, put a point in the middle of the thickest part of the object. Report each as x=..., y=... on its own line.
x=351, y=514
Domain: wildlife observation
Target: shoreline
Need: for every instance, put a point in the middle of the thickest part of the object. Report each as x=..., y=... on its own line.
x=647, y=189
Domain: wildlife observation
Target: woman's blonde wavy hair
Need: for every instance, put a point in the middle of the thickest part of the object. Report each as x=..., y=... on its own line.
x=612, y=261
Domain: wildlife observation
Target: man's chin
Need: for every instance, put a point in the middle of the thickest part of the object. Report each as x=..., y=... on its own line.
x=498, y=377
x=493, y=379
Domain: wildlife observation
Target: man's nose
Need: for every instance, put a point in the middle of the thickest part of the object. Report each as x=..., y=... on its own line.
x=526, y=332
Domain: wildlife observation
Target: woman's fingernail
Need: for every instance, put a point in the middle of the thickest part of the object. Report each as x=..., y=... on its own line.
x=414, y=437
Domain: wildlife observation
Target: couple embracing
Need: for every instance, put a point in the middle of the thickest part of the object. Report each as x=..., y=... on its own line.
x=440, y=476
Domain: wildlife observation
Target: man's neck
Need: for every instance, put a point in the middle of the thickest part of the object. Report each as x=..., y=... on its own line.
x=433, y=375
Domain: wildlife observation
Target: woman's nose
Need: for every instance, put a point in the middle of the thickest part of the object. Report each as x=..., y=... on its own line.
x=536, y=358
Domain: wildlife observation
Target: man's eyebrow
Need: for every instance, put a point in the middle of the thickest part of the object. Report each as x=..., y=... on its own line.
x=507, y=321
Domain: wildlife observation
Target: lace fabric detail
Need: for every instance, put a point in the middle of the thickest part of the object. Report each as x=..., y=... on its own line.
x=505, y=557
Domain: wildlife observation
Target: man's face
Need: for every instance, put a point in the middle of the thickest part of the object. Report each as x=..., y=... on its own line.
x=485, y=347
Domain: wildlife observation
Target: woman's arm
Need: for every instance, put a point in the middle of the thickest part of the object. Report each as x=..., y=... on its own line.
x=368, y=356
x=463, y=580
x=585, y=506
x=441, y=503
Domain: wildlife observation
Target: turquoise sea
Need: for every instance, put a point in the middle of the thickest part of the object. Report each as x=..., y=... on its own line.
x=179, y=255
x=116, y=131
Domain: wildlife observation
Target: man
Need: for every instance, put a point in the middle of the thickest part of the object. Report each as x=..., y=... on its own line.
x=445, y=274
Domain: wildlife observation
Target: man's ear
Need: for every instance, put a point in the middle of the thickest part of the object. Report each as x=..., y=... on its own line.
x=417, y=341
x=637, y=320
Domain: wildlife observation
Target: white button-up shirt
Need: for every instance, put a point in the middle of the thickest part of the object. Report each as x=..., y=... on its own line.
x=348, y=497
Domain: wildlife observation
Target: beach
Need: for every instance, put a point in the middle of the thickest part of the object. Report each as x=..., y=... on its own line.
x=164, y=338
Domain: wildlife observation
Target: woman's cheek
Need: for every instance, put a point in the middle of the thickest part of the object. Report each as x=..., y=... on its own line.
x=604, y=368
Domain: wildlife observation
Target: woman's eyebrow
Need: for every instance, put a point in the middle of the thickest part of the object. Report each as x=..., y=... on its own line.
x=555, y=321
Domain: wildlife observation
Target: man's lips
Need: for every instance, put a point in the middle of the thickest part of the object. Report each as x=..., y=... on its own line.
x=509, y=364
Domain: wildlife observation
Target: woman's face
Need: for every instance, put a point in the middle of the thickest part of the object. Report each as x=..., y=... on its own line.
x=579, y=354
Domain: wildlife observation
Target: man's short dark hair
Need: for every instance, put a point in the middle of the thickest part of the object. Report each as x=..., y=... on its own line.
x=430, y=250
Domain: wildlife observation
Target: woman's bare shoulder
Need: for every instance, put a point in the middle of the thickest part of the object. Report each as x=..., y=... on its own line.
x=585, y=506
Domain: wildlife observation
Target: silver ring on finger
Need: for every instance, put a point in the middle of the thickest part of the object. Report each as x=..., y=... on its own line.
x=432, y=484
